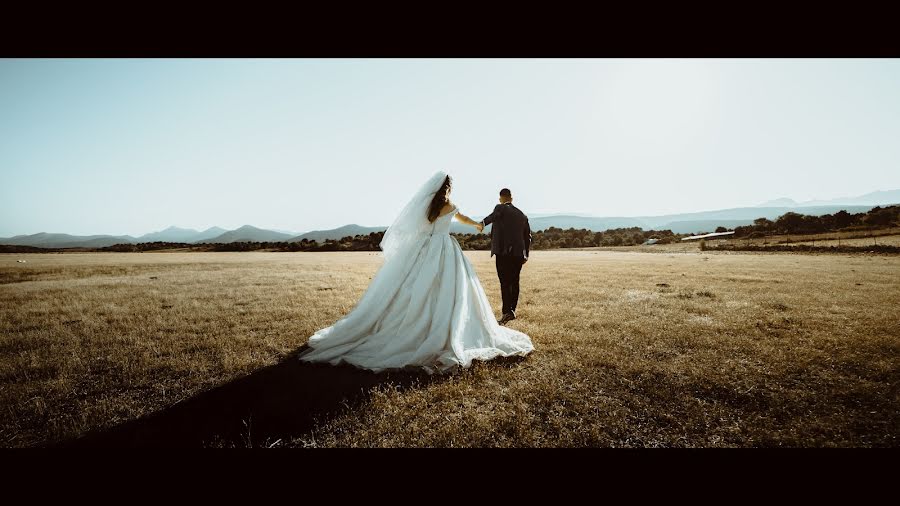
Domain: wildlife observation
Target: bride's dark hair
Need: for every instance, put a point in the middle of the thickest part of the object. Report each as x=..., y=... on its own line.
x=440, y=198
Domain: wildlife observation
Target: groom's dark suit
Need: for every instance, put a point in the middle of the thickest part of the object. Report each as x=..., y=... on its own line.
x=511, y=243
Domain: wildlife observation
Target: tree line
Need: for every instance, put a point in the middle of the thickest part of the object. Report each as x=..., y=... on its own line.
x=550, y=238
x=795, y=223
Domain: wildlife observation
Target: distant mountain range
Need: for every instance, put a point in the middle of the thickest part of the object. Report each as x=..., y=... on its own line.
x=685, y=223
x=869, y=199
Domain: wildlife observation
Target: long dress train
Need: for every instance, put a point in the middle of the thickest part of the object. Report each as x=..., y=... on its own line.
x=430, y=313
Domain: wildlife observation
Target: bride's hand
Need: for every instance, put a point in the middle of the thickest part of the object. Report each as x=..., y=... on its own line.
x=479, y=226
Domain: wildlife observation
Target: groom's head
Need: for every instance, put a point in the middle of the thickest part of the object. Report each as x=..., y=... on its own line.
x=505, y=196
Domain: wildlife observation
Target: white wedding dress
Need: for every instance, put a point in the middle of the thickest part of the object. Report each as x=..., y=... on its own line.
x=426, y=309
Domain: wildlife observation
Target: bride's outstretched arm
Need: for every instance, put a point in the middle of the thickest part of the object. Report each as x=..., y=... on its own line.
x=468, y=221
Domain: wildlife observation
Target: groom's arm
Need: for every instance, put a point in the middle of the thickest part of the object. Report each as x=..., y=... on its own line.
x=527, y=237
x=491, y=217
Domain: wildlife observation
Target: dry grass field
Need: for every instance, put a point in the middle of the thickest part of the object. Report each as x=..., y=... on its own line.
x=677, y=348
x=886, y=236
x=889, y=240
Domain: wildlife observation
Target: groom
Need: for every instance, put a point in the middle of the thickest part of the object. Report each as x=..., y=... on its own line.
x=511, y=242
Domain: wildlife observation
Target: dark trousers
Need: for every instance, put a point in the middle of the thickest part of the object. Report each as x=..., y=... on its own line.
x=508, y=269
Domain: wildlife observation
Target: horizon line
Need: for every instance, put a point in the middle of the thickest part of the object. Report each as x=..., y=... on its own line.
x=541, y=215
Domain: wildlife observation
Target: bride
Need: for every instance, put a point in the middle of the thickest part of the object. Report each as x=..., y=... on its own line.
x=425, y=307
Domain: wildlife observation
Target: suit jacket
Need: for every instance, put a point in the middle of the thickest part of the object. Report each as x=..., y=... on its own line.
x=511, y=234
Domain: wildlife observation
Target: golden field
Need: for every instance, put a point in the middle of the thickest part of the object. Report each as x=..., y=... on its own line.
x=861, y=238
x=676, y=348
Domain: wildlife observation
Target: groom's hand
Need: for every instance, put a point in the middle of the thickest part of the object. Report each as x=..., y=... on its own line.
x=479, y=226
x=524, y=260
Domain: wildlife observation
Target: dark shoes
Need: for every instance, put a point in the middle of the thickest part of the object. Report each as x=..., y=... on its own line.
x=507, y=317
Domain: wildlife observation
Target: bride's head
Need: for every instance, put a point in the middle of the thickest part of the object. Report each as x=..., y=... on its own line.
x=441, y=196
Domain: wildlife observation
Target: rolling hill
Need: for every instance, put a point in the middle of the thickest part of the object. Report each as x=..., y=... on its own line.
x=51, y=240
x=176, y=234
x=247, y=233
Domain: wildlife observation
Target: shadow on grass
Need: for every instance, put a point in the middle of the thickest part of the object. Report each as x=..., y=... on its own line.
x=282, y=401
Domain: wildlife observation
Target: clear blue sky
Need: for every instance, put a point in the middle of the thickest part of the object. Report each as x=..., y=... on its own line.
x=130, y=146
